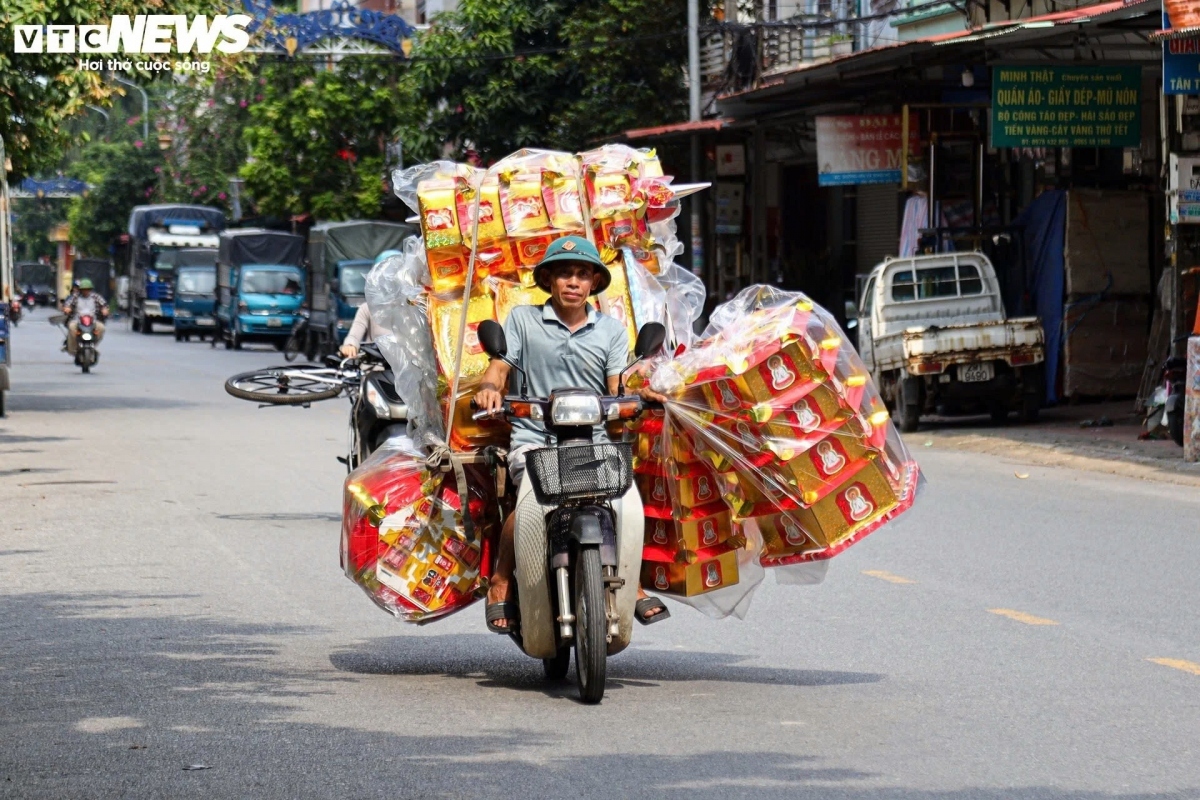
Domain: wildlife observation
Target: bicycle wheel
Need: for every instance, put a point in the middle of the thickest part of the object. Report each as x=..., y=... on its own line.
x=295, y=343
x=286, y=386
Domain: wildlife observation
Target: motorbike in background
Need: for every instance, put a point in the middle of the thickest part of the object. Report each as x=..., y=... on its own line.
x=14, y=311
x=30, y=298
x=1173, y=375
x=86, y=354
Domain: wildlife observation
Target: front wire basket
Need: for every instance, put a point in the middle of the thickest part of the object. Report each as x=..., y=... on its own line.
x=580, y=472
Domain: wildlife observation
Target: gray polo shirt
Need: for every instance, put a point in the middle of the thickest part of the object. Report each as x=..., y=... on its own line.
x=556, y=358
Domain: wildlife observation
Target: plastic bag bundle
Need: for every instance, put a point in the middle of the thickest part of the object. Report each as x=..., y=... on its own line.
x=484, y=231
x=404, y=539
x=775, y=450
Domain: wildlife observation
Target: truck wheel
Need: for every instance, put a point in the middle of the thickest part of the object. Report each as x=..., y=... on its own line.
x=909, y=414
x=998, y=409
x=135, y=324
x=1031, y=405
x=235, y=340
x=3, y=413
x=228, y=337
x=147, y=326
x=179, y=337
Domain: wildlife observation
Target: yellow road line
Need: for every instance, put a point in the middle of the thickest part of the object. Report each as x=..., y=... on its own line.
x=886, y=576
x=1176, y=663
x=1021, y=616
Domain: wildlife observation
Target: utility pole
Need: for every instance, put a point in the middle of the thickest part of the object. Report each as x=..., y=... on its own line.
x=693, y=36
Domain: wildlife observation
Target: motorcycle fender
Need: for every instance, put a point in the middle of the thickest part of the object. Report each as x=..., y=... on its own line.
x=585, y=529
x=535, y=583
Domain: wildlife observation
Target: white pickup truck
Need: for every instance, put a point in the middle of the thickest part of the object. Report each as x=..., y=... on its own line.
x=932, y=331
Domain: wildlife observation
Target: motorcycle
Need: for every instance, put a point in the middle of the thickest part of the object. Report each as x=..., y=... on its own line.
x=14, y=311
x=579, y=524
x=377, y=412
x=1173, y=375
x=86, y=354
x=30, y=298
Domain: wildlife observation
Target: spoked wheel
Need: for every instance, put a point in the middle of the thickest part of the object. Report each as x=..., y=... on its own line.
x=591, y=626
x=556, y=668
x=295, y=344
x=286, y=386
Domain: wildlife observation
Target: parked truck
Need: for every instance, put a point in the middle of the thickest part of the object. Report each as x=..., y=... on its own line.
x=38, y=278
x=260, y=286
x=933, y=333
x=340, y=254
x=162, y=238
x=98, y=270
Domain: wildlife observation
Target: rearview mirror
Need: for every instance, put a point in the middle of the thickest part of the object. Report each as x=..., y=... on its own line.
x=491, y=336
x=649, y=339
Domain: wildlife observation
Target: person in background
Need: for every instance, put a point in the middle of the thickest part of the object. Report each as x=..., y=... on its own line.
x=86, y=303
x=364, y=328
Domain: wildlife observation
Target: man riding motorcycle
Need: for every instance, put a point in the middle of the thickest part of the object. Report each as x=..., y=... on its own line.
x=87, y=303
x=565, y=342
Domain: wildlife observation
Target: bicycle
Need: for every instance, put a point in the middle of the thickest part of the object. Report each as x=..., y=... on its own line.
x=297, y=342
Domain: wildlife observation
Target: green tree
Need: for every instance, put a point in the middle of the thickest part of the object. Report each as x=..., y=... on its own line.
x=499, y=75
x=39, y=93
x=33, y=219
x=318, y=138
x=122, y=174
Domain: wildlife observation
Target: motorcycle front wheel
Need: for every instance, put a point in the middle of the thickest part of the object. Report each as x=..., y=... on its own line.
x=591, y=626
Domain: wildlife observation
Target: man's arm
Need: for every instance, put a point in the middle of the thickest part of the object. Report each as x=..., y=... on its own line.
x=491, y=389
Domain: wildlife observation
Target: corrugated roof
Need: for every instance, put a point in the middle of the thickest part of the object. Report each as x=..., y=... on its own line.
x=679, y=128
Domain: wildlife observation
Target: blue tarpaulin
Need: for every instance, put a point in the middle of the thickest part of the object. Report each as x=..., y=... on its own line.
x=1045, y=231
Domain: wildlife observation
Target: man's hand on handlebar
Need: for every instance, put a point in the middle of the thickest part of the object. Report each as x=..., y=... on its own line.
x=651, y=396
x=488, y=398
x=348, y=351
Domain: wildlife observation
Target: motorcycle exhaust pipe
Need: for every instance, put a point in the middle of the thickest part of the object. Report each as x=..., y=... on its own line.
x=566, y=619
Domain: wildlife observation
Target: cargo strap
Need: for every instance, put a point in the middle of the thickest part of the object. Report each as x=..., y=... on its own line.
x=442, y=460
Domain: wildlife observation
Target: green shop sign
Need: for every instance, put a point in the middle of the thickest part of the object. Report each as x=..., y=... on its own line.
x=1066, y=106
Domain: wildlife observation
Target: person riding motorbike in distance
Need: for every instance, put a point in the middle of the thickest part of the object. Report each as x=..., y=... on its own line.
x=364, y=328
x=564, y=342
x=87, y=303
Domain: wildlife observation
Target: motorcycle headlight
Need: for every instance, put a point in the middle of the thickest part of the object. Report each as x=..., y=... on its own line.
x=575, y=409
x=87, y=337
x=378, y=402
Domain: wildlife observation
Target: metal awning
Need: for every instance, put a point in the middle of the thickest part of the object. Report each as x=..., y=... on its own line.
x=1120, y=28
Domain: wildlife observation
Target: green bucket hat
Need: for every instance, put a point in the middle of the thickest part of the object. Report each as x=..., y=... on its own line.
x=86, y=283
x=578, y=250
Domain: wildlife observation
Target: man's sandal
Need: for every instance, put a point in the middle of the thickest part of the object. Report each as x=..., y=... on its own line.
x=642, y=610
x=501, y=611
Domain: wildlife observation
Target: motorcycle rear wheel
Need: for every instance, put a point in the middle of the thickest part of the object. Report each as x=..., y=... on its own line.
x=591, y=626
x=1175, y=426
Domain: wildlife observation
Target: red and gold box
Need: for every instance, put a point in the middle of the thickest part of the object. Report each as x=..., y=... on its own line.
x=700, y=528
x=446, y=318
x=711, y=570
x=448, y=269
x=861, y=499
x=531, y=250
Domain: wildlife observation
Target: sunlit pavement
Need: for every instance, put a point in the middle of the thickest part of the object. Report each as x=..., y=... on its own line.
x=170, y=597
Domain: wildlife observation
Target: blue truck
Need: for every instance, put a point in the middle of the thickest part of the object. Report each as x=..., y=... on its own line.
x=163, y=238
x=340, y=254
x=260, y=286
x=196, y=301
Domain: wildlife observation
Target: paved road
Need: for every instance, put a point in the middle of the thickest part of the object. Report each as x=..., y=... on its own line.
x=170, y=596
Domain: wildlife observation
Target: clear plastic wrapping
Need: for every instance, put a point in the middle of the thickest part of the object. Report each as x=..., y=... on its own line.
x=404, y=539
x=775, y=450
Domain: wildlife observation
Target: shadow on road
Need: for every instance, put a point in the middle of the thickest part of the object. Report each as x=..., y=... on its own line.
x=284, y=516
x=81, y=401
x=111, y=695
x=427, y=655
x=13, y=438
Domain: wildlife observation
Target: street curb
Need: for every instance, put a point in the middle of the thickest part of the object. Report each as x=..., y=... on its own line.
x=1090, y=459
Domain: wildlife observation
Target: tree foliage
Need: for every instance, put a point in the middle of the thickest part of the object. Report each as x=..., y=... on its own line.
x=40, y=92
x=499, y=75
x=318, y=139
x=122, y=175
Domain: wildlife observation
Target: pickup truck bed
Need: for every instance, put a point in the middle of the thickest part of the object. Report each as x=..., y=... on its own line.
x=1017, y=341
